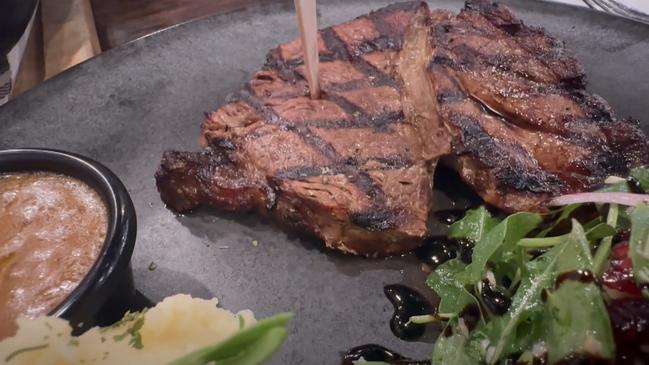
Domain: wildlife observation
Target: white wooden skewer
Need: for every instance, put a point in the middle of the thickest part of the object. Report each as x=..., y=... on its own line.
x=308, y=24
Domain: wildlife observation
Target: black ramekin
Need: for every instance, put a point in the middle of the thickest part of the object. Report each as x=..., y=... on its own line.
x=105, y=293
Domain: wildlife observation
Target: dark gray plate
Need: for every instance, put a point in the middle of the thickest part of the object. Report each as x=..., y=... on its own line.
x=127, y=106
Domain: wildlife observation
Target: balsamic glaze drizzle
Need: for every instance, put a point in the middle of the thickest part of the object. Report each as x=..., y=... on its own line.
x=622, y=234
x=449, y=216
x=471, y=316
x=494, y=299
x=634, y=185
x=407, y=302
x=438, y=249
x=373, y=352
x=583, y=276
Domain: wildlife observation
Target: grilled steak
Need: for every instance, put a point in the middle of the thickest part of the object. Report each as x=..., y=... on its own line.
x=354, y=168
x=523, y=127
x=403, y=87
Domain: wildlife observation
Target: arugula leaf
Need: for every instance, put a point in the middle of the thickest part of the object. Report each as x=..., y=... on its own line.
x=619, y=187
x=573, y=317
x=639, y=244
x=453, y=350
x=527, y=358
x=539, y=275
x=604, y=248
x=516, y=330
x=475, y=224
x=595, y=233
x=592, y=224
x=600, y=231
x=578, y=320
x=502, y=238
x=623, y=219
x=542, y=241
x=529, y=330
x=449, y=282
x=576, y=253
x=250, y=346
x=563, y=214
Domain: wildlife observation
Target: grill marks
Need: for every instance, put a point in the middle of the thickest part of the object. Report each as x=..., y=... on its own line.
x=483, y=135
x=342, y=167
x=402, y=87
x=519, y=111
x=343, y=95
x=346, y=167
x=519, y=169
x=303, y=132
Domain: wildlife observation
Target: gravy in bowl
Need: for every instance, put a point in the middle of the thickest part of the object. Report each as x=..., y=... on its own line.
x=52, y=228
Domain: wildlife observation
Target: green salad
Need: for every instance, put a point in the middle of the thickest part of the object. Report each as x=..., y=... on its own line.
x=543, y=288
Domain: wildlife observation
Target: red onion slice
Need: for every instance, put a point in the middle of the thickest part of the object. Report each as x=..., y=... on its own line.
x=628, y=199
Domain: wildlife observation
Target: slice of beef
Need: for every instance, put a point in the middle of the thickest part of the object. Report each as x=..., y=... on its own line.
x=524, y=129
x=353, y=168
x=499, y=101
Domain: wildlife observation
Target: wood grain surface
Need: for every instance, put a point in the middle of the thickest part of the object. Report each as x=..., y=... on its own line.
x=67, y=32
x=32, y=66
x=69, y=35
x=62, y=36
x=121, y=21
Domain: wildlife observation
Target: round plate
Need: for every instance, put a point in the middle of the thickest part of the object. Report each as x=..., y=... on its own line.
x=131, y=103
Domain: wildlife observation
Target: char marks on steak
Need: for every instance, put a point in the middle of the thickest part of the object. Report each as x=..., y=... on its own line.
x=353, y=167
x=523, y=127
x=403, y=87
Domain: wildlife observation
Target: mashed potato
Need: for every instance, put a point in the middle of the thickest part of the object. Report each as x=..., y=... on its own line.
x=175, y=327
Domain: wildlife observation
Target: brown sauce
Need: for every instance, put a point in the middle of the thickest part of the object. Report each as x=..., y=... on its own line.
x=52, y=228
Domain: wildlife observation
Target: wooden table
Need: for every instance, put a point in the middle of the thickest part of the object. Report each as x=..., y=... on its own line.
x=63, y=35
x=120, y=21
x=67, y=32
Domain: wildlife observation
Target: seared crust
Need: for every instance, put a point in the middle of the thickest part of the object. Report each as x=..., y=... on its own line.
x=349, y=168
x=524, y=128
x=402, y=87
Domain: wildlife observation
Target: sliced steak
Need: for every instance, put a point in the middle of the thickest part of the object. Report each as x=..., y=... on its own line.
x=353, y=168
x=523, y=127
